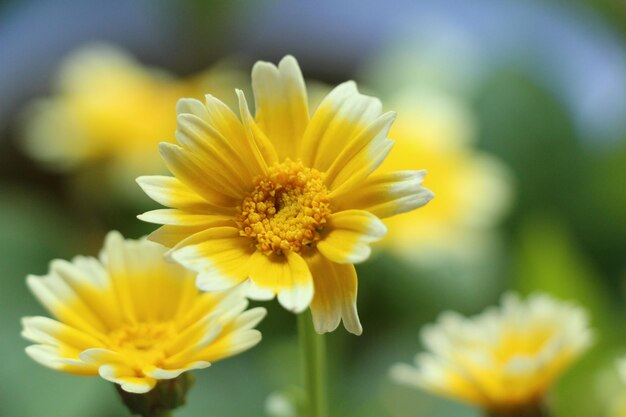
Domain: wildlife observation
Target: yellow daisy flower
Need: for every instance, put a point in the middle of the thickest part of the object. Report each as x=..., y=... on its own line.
x=439, y=129
x=504, y=359
x=108, y=109
x=284, y=200
x=134, y=319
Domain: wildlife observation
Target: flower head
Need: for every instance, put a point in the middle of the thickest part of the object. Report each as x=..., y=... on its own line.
x=504, y=359
x=134, y=319
x=108, y=111
x=284, y=199
x=472, y=187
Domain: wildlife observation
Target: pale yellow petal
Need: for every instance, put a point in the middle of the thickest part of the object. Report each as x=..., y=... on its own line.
x=183, y=218
x=58, y=345
x=286, y=275
x=263, y=148
x=230, y=345
x=281, y=104
x=170, y=236
x=227, y=125
x=361, y=156
x=220, y=256
x=125, y=377
x=388, y=194
x=170, y=192
x=47, y=331
x=340, y=117
x=349, y=236
x=214, y=186
x=65, y=304
x=45, y=355
x=159, y=373
x=335, y=295
x=210, y=146
x=135, y=268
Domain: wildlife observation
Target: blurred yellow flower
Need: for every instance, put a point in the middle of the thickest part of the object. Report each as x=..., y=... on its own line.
x=107, y=108
x=472, y=187
x=283, y=199
x=134, y=319
x=504, y=359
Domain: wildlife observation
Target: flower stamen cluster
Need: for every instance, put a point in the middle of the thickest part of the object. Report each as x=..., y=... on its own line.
x=287, y=209
x=145, y=342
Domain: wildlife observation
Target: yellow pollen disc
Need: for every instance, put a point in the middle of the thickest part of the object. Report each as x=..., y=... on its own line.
x=143, y=343
x=287, y=209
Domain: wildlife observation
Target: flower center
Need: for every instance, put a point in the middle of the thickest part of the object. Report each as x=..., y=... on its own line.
x=287, y=209
x=145, y=342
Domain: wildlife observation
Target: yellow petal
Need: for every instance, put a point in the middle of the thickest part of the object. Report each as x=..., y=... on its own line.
x=58, y=345
x=281, y=104
x=134, y=267
x=340, y=117
x=201, y=177
x=170, y=236
x=51, y=357
x=287, y=275
x=237, y=334
x=66, y=304
x=159, y=373
x=223, y=121
x=388, y=194
x=361, y=156
x=125, y=377
x=209, y=145
x=262, y=146
x=335, y=295
x=434, y=377
x=170, y=192
x=350, y=233
x=44, y=330
x=219, y=255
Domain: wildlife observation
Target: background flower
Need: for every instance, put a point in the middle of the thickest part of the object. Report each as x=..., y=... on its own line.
x=473, y=188
x=504, y=359
x=134, y=319
x=108, y=113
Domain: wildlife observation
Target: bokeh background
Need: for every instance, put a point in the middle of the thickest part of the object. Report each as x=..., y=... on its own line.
x=516, y=108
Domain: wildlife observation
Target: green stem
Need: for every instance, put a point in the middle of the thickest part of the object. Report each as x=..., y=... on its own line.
x=313, y=350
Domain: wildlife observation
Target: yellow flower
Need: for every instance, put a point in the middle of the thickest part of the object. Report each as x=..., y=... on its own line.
x=284, y=200
x=472, y=187
x=134, y=319
x=108, y=108
x=504, y=359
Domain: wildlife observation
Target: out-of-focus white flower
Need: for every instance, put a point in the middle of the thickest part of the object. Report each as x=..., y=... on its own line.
x=504, y=359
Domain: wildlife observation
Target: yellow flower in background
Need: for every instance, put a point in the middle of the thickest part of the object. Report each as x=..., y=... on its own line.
x=134, y=319
x=284, y=200
x=504, y=359
x=107, y=108
x=472, y=188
